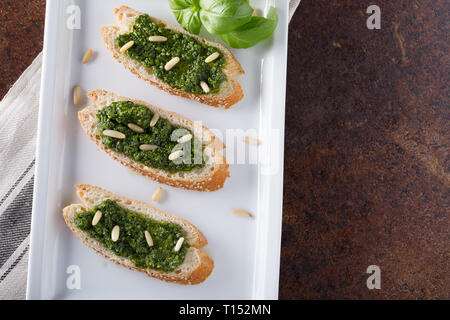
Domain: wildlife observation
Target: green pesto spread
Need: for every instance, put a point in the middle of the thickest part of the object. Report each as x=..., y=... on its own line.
x=186, y=74
x=132, y=243
x=163, y=134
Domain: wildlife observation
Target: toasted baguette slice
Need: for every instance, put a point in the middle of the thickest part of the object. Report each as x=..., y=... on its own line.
x=230, y=91
x=210, y=177
x=197, y=265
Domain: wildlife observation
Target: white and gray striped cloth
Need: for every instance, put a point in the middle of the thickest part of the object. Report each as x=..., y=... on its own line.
x=18, y=126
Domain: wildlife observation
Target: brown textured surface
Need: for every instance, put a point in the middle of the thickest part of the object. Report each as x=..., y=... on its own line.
x=367, y=172
x=21, y=35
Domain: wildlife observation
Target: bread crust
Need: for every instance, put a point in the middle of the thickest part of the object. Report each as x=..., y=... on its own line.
x=232, y=68
x=197, y=275
x=213, y=181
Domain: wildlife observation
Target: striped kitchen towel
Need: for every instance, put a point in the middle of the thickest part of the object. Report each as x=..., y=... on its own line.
x=18, y=126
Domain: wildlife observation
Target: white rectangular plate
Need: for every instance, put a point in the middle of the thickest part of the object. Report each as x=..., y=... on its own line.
x=246, y=251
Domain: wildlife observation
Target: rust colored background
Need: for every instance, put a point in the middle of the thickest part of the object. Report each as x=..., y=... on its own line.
x=367, y=170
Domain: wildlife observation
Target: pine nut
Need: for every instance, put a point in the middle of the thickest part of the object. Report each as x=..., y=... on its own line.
x=241, y=213
x=157, y=39
x=148, y=238
x=251, y=140
x=175, y=155
x=179, y=244
x=135, y=128
x=185, y=138
x=97, y=217
x=77, y=94
x=148, y=147
x=204, y=86
x=212, y=57
x=157, y=194
x=127, y=46
x=154, y=120
x=114, y=134
x=87, y=56
x=115, y=233
x=172, y=62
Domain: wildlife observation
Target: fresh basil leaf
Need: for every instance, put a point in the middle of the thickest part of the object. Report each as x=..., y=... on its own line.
x=253, y=32
x=223, y=16
x=189, y=19
x=187, y=13
x=183, y=4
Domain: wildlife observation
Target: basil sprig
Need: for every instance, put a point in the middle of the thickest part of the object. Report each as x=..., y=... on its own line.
x=253, y=32
x=187, y=14
x=223, y=16
x=231, y=19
